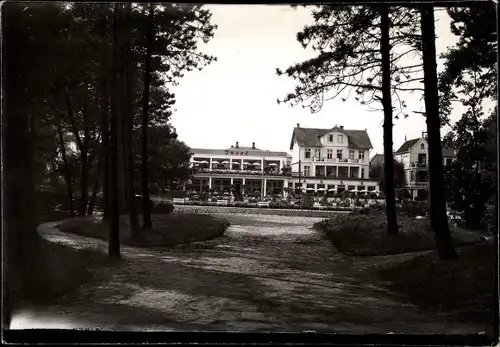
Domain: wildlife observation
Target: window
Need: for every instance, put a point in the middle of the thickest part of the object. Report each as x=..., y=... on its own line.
x=298, y=185
x=308, y=153
x=371, y=188
x=307, y=170
x=317, y=153
x=311, y=185
x=351, y=187
x=331, y=186
x=361, y=155
x=340, y=188
x=362, y=173
x=330, y=138
x=422, y=146
x=351, y=154
x=329, y=153
x=290, y=185
x=340, y=138
x=449, y=161
x=339, y=154
x=360, y=188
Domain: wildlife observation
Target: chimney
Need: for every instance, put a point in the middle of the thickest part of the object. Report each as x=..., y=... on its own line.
x=237, y=145
x=341, y=127
x=253, y=145
x=298, y=125
x=232, y=146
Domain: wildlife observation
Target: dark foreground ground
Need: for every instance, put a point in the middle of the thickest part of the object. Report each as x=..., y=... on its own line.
x=267, y=274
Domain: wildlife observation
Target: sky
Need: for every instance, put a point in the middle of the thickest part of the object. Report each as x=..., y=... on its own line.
x=234, y=98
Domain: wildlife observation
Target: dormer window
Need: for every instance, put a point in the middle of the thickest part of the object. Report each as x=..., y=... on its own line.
x=422, y=146
x=330, y=138
x=340, y=138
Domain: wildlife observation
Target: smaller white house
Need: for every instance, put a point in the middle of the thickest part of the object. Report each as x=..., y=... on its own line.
x=414, y=156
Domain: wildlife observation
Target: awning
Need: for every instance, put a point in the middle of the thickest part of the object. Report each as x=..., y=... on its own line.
x=321, y=189
x=246, y=163
x=215, y=162
x=226, y=162
x=272, y=164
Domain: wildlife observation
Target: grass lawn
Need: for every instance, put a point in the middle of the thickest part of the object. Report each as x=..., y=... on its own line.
x=463, y=288
x=168, y=229
x=365, y=235
x=67, y=269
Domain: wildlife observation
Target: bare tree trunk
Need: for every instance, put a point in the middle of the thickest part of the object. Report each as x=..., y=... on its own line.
x=390, y=194
x=438, y=217
x=128, y=113
x=95, y=187
x=67, y=170
x=105, y=125
x=146, y=203
x=84, y=184
x=114, y=225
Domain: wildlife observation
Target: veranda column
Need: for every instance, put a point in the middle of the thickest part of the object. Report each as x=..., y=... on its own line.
x=210, y=182
x=265, y=186
x=210, y=165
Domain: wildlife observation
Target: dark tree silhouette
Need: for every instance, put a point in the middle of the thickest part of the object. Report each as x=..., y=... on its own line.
x=438, y=216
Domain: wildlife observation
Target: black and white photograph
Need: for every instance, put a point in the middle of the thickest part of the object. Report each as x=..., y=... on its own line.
x=323, y=169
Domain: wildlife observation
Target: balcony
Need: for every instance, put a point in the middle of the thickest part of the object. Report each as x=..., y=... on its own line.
x=243, y=172
x=417, y=165
x=337, y=160
x=418, y=184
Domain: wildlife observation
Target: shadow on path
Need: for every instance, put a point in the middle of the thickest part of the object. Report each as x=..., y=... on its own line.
x=272, y=274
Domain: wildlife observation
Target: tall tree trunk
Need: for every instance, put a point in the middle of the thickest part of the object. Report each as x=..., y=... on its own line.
x=105, y=124
x=114, y=225
x=25, y=270
x=84, y=182
x=67, y=170
x=128, y=158
x=95, y=187
x=438, y=217
x=390, y=195
x=146, y=203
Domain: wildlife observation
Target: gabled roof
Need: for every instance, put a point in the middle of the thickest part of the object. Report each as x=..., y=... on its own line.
x=447, y=151
x=377, y=159
x=405, y=147
x=310, y=137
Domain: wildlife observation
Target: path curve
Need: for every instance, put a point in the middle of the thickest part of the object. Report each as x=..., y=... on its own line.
x=267, y=274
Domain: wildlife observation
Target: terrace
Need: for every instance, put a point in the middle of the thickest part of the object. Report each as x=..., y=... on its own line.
x=271, y=167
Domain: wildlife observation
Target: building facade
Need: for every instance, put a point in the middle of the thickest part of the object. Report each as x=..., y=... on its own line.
x=331, y=159
x=242, y=169
x=414, y=156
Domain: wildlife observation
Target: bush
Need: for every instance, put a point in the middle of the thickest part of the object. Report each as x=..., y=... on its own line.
x=169, y=229
x=366, y=234
x=164, y=207
x=413, y=209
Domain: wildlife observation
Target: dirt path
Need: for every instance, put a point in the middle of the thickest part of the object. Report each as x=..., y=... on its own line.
x=268, y=273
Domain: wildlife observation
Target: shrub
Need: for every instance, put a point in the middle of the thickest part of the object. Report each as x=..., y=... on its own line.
x=414, y=209
x=366, y=235
x=165, y=207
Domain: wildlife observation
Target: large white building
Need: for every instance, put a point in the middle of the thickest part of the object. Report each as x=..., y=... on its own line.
x=337, y=158
x=414, y=156
x=321, y=160
x=242, y=168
